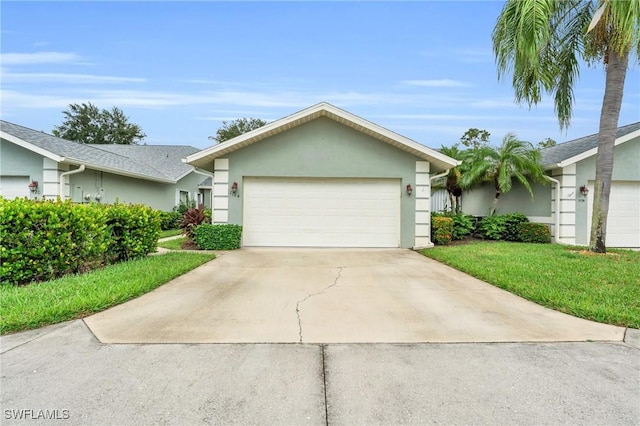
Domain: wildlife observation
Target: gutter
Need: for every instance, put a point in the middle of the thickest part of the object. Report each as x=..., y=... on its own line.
x=207, y=174
x=63, y=175
x=556, y=234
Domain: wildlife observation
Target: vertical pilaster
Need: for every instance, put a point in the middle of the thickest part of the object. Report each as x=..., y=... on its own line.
x=423, y=206
x=220, y=191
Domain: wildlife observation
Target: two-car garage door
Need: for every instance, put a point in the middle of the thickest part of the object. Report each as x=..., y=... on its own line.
x=300, y=212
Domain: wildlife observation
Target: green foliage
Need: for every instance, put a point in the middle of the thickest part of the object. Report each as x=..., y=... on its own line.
x=441, y=229
x=463, y=225
x=492, y=227
x=218, y=237
x=475, y=138
x=547, y=143
x=44, y=240
x=85, y=123
x=190, y=220
x=511, y=223
x=183, y=207
x=534, y=233
x=170, y=220
x=133, y=231
x=232, y=129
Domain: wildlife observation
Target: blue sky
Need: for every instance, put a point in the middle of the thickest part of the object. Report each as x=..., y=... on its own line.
x=422, y=69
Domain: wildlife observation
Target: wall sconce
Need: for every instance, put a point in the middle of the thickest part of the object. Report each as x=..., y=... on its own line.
x=98, y=197
x=234, y=189
x=33, y=186
x=409, y=190
x=584, y=190
x=87, y=197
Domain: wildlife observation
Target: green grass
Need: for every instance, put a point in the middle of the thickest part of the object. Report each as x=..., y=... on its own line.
x=603, y=288
x=76, y=296
x=175, y=244
x=170, y=233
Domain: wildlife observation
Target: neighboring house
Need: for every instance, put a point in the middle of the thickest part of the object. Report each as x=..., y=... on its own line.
x=572, y=166
x=38, y=165
x=323, y=177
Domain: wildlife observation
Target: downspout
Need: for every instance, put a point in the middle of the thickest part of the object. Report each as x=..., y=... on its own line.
x=556, y=234
x=207, y=174
x=65, y=174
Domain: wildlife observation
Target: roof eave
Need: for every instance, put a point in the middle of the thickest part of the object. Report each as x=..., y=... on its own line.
x=31, y=147
x=118, y=171
x=594, y=151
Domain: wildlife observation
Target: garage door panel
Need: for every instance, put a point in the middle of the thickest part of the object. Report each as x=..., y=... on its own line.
x=321, y=212
x=623, y=221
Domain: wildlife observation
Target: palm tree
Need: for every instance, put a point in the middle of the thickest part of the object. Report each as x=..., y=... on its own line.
x=513, y=159
x=541, y=43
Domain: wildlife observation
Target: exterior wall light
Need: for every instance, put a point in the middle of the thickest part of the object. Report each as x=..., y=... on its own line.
x=409, y=190
x=33, y=186
x=234, y=189
x=87, y=197
x=584, y=190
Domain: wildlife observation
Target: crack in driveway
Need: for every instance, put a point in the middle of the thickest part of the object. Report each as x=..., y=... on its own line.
x=335, y=282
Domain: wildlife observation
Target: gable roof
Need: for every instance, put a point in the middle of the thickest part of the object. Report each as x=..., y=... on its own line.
x=205, y=157
x=575, y=150
x=149, y=162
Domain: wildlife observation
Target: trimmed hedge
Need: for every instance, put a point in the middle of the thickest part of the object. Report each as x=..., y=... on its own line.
x=42, y=240
x=534, y=233
x=170, y=220
x=493, y=227
x=218, y=237
x=511, y=223
x=441, y=229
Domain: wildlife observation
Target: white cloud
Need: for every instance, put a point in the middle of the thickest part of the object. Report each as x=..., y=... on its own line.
x=436, y=83
x=38, y=58
x=67, y=78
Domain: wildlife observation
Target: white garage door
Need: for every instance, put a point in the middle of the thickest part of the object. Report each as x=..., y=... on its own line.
x=296, y=212
x=623, y=220
x=14, y=186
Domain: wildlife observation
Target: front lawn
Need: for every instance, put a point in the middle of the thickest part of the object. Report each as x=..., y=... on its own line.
x=603, y=288
x=170, y=233
x=175, y=244
x=76, y=296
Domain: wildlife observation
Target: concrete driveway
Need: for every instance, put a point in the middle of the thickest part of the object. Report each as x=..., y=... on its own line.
x=335, y=296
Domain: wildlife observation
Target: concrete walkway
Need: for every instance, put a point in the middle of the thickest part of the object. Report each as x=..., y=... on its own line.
x=64, y=372
x=335, y=296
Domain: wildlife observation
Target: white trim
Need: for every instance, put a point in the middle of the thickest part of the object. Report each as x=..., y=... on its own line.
x=322, y=109
x=594, y=151
x=31, y=147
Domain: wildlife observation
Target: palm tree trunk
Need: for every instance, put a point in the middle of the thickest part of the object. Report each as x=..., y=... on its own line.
x=494, y=204
x=614, y=86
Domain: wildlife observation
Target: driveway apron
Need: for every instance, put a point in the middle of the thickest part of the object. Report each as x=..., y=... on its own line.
x=335, y=296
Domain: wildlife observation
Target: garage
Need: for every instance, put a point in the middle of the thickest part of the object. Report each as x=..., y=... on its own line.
x=623, y=222
x=320, y=212
x=14, y=186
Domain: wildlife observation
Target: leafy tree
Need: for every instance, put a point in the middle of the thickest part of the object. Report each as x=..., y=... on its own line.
x=513, y=159
x=547, y=143
x=85, y=123
x=452, y=179
x=475, y=138
x=234, y=128
x=540, y=42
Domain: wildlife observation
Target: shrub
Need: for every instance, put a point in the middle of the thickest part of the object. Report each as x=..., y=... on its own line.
x=534, y=233
x=512, y=221
x=170, y=220
x=441, y=229
x=133, y=230
x=45, y=240
x=191, y=219
x=218, y=237
x=492, y=227
x=463, y=225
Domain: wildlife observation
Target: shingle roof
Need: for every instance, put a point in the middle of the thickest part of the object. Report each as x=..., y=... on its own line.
x=153, y=162
x=556, y=154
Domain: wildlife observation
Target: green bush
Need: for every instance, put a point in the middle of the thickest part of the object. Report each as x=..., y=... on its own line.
x=512, y=221
x=492, y=227
x=45, y=240
x=218, y=237
x=463, y=225
x=534, y=233
x=169, y=220
x=441, y=229
x=133, y=231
